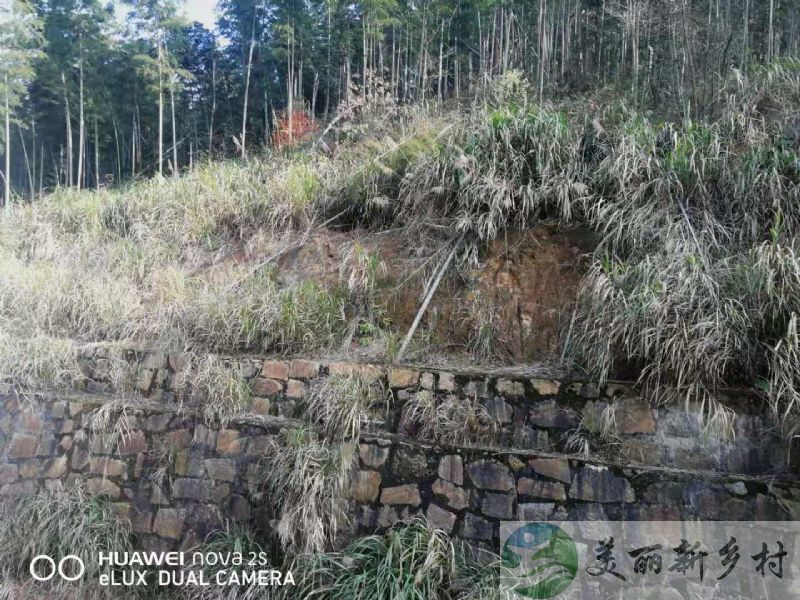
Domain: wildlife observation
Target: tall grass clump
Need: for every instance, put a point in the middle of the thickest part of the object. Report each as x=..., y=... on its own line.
x=306, y=480
x=220, y=390
x=343, y=405
x=233, y=539
x=410, y=561
x=37, y=362
x=59, y=522
x=448, y=420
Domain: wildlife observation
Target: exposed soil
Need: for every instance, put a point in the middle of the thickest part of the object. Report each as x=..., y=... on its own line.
x=529, y=279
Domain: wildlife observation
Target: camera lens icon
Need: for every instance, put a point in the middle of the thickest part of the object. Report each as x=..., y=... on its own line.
x=44, y=568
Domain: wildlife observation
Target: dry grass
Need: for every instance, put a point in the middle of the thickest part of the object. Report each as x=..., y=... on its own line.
x=219, y=389
x=448, y=420
x=57, y=523
x=694, y=276
x=306, y=480
x=343, y=405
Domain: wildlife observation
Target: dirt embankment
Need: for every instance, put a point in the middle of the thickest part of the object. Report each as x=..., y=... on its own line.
x=521, y=294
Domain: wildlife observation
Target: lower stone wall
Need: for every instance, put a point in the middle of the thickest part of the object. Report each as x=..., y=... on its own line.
x=177, y=479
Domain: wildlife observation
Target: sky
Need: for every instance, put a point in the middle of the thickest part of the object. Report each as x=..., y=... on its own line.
x=201, y=10
x=195, y=10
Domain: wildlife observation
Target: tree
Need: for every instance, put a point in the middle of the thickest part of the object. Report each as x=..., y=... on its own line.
x=20, y=31
x=156, y=18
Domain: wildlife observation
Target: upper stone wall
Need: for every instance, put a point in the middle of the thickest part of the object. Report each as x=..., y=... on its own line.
x=613, y=422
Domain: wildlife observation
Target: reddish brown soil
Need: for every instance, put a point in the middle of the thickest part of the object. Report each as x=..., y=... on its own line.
x=529, y=278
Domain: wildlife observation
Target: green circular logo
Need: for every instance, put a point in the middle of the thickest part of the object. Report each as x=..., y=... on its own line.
x=543, y=559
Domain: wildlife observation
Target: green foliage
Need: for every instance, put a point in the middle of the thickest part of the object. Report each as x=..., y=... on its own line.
x=411, y=560
x=59, y=522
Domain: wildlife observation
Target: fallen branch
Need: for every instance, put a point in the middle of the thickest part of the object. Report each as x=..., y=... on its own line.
x=428, y=298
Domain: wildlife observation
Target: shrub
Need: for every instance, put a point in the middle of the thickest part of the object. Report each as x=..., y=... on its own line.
x=411, y=560
x=59, y=522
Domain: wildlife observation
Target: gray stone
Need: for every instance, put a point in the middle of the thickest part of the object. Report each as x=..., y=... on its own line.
x=634, y=415
x=410, y=464
x=240, y=507
x=203, y=436
x=372, y=456
x=141, y=520
x=23, y=446
x=275, y=369
x=507, y=387
x=102, y=487
x=598, y=484
x=296, y=389
x=157, y=422
x=536, y=488
x=222, y=469
x=477, y=528
x=455, y=497
x=55, y=468
x=451, y=468
x=768, y=508
x=714, y=502
x=303, y=369
x=30, y=469
x=737, y=488
x=476, y=389
x=201, y=490
x=587, y=512
x=535, y=511
x=132, y=443
x=402, y=378
x=498, y=505
x=548, y=413
x=534, y=439
x=108, y=467
x=554, y=468
x=500, y=410
x=545, y=387
x=664, y=492
x=229, y=442
x=490, y=475
x=169, y=523
x=263, y=386
x=80, y=458
x=407, y=494
x=365, y=486
x=426, y=381
x=440, y=518
x=8, y=474
x=446, y=383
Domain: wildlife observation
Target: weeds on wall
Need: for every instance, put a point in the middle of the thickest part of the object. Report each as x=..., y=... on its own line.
x=233, y=538
x=343, y=406
x=306, y=481
x=219, y=389
x=449, y=420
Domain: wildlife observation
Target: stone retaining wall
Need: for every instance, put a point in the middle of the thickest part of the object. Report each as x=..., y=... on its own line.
x=177, y=478
x=531, y=413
